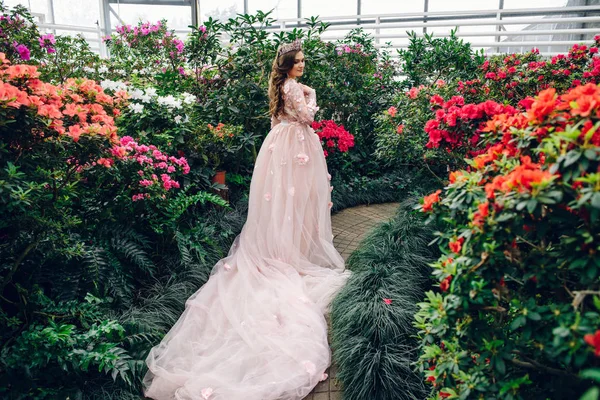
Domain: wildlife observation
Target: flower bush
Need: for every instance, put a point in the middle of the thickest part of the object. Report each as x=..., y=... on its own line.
x=147, y=45
x=77, y=241
x=453, y=111
x=518, y=297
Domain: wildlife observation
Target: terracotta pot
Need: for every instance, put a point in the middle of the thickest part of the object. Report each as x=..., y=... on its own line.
x=219, y=177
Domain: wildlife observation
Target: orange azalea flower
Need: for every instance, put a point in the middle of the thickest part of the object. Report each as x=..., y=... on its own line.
x=21, y=71
x=49, y=110
x=106, y=162
x=456, y=245
x=594, y=341
x=450, y=260
x=13, y=96
x=400, y=129
x=75, y=132
x=481, y=214
x=543, y=105
x=585, y=105
x=572, y=95
x=430, y=200
x=522, y=178
x=454, y=175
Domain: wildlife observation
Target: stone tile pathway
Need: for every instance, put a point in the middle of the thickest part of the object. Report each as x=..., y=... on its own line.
x=349, y=227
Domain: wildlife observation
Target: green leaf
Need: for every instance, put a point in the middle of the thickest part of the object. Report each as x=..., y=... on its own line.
x=591, y=154
x=592, y=373
x=596, y=200
x=531, y=205
x=572, y=157
x=591, y=394
x=517, y=323
x=534, y=316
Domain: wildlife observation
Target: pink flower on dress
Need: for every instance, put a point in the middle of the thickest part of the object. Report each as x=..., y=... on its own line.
x=206, y=393
x=331, y=188
x=271, y=147
x=302, y=158
x=268, y=196
x=300, y=136
x=292, y=191
x=310, y=367
x=329, y=176
x=324, y=376
x=227, y=267
x=330, y=204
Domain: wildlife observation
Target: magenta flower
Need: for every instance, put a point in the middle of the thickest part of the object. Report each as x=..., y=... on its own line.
x=23, y=51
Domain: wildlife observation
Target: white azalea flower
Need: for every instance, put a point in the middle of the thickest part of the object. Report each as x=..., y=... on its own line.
x=188, y=98
x=151, y=91
x=178, y=119
x=136, y=94
x=136, y=108
x=103, y=69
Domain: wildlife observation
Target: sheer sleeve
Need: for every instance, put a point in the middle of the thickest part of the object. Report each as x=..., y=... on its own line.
x=305, y=107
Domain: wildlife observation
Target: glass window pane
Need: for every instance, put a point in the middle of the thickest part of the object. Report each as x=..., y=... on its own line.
x=463, y=5
x=282, y=9
x=221, y=9
x=510, y=4
x=389, y=7
x=178, y=17
x=312, y=8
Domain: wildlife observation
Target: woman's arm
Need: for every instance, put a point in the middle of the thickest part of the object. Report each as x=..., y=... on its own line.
x=305, y=107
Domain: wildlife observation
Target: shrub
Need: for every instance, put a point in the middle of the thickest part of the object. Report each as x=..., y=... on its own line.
x=518, y=278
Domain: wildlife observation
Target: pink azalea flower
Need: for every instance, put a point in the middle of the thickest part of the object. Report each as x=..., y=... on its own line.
x=387, y=301
x=268, y=196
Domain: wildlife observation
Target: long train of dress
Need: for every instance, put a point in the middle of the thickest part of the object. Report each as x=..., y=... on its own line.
x=256, y=330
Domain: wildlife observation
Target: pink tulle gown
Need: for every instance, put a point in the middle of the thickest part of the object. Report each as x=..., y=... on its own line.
x=256, y=330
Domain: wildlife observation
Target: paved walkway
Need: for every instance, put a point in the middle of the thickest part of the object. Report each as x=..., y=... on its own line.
x=349, y=227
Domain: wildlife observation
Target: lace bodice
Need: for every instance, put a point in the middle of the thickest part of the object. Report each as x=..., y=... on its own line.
x=300, y=103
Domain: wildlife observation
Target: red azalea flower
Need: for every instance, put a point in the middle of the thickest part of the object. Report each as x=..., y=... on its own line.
x=445, y=284
x=443, y=395
x=456, y=245
x=594, y=341
x=387, y=301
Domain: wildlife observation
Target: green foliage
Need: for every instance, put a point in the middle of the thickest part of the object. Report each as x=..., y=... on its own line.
x=428, y=59
x=373, y=341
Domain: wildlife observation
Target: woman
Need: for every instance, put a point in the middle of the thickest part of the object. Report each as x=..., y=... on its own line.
x=256, y=330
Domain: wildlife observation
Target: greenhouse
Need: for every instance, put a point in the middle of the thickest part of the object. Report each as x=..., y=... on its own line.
x=300, y=199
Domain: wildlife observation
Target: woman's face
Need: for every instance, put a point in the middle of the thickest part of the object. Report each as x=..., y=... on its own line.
x=298, y=68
